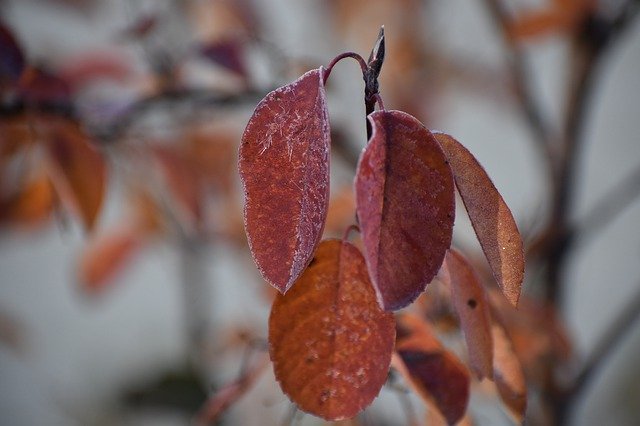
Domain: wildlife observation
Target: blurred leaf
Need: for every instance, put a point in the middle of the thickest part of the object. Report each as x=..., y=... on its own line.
x=284, y=166
x=106, y=255
x=472, y=306
x=330, y=342
x=90, y=67
x=342, y=206
x=32, y=205
x=405, y=205
x=561, y=16
x=13, y=63
x=508, y=374
x=78, y=169
x=40, y=86
x=490, y=216
x=227, y=53
x=536, y=332
x=436, y=374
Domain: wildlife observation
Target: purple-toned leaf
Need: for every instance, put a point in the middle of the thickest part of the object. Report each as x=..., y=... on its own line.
x=284, y=166
x=329, y=340
x=472, y=306
x=12, y=63
x=405, y=205
x=490, y=216
x=227, y=53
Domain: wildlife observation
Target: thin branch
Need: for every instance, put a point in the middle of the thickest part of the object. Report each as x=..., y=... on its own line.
x=217, y=404
x=609, y=206
x=608, y=343
x=542, y=135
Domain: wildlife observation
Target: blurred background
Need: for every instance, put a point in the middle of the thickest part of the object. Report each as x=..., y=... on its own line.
x=127, y=292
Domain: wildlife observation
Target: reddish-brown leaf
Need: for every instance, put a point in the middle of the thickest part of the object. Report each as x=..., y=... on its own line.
x=490, y=216
x=78, y=169
x=330, y=342
x=405, y=204
x=284, y=166
x=436, y=374
x=106, y=255
x=536, y=333
x=470, y=301
x=508, y=374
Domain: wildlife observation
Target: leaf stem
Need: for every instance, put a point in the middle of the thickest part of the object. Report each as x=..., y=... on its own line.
x=352, y=55
x=378, y=99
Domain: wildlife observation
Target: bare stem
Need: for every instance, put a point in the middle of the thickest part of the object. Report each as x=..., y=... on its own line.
x=352, y=55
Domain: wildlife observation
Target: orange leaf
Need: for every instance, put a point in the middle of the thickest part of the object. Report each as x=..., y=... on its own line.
x=106, y=255
x=31, y=205
x=330, y=342
x=436, y=374
x=490, y=216
x=508, y=374
x=78, y=169
x=470, y=301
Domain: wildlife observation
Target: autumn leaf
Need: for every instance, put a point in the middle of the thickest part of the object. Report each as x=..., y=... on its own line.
x=508, y=374
x=490, y=216
x=31, y=205
x=472, y=306
x=78, y=169
x=284, y=166
x=405, y=205
x=106, y=255
x=330, y=342
x=437, y=375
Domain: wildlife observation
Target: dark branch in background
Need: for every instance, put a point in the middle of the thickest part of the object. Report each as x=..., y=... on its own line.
x=603, y=349
x=608, y=207
x=518, y=67
x=195, y=98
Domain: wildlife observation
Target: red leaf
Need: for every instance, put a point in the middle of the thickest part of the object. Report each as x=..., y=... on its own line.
x=435, y=373
x=470, y=301
x=508, y=374
x=330, y=342
x=490, y=216
x=106, y=255
x=79, y=171
x=405, y=204
x=284, y=166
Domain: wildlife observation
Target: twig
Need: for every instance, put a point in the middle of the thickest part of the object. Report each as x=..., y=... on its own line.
x=607, y=344
x=217, y=404
x=542, y=135
x=608, y=207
